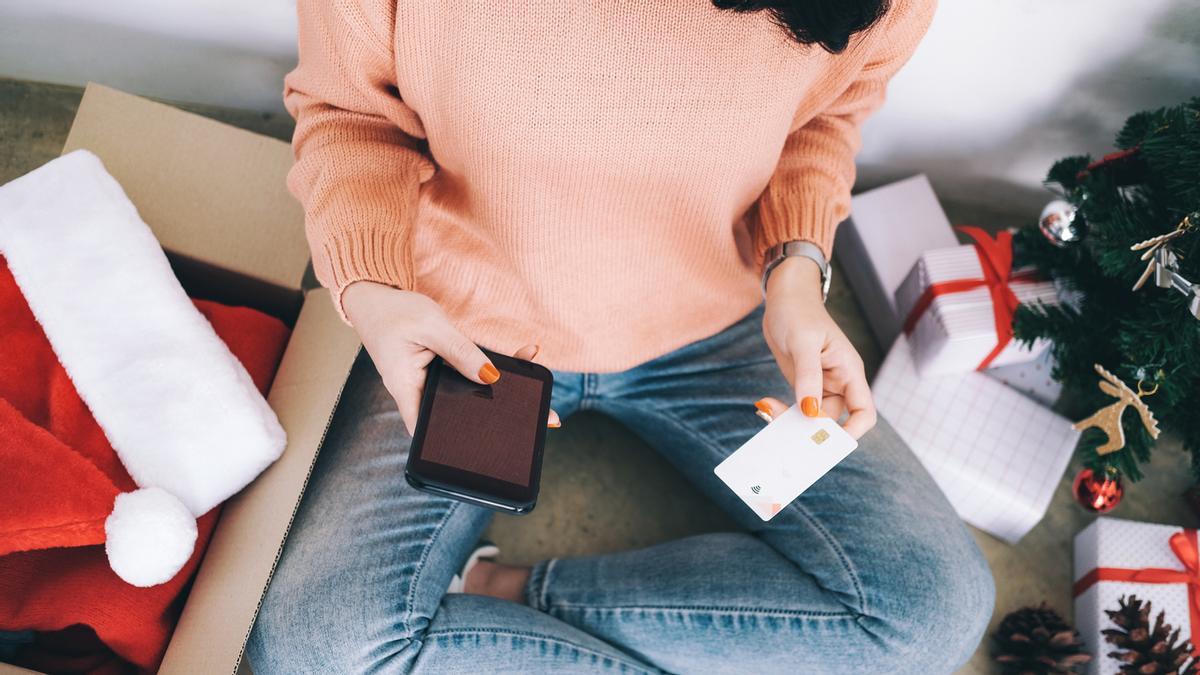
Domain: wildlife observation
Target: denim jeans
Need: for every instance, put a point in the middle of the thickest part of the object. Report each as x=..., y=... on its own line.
x=870, y=570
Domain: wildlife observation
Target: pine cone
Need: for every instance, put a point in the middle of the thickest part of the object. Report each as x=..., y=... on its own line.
x=1037, y=641
x=1145, y=649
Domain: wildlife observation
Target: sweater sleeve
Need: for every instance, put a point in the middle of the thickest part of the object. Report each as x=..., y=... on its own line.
x=360, y=151
x=809, y=194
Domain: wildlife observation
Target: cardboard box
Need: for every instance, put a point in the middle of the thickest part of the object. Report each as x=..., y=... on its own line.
x=888, y=228
x=215, y=197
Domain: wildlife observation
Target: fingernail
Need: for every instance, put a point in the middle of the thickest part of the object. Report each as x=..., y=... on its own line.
x=810, y=407
x=537, y=349
x=554, y=425
x=489, y=374
x=764, y=410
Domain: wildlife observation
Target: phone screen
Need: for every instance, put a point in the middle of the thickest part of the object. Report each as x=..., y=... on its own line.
x=490, y=430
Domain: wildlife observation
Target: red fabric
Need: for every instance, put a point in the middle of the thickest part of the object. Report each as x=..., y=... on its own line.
x=1184, y=546
x=996, y=260
x=58, y=479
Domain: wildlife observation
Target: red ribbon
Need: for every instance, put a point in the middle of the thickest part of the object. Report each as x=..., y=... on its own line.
x=1183, y=544
x=996, y=260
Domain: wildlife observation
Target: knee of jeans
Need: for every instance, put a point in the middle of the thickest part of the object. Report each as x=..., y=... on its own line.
x=299, y=630
x=935, y=612
x=269, y=647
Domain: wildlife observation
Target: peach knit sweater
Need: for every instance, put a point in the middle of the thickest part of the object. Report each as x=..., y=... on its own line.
x=598, y=177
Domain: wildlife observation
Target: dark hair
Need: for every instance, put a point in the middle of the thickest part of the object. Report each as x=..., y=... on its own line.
x=829, y=23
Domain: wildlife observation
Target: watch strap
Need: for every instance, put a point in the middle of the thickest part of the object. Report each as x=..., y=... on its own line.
x=780, y=252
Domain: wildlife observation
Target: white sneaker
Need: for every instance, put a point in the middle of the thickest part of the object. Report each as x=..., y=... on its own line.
x=485, y=551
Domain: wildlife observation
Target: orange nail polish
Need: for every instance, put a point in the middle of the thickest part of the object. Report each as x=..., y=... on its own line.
x=763, y=410
x=489, y=374
x=554, y=425
x=809, y=406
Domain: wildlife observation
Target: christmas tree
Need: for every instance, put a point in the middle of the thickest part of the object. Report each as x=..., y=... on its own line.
x=1148, y=338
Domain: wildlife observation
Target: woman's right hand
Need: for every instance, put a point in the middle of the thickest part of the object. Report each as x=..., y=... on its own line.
x=402, y=331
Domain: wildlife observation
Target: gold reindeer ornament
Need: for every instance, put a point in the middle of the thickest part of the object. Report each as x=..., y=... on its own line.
x=1157, y=254
x=1108, y=418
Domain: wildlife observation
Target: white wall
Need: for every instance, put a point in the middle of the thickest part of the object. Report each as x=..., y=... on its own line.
x=225, y=52
x=998, y=90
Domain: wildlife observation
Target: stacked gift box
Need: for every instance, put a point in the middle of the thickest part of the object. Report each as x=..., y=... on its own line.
x=972, y=403
x=957, y=304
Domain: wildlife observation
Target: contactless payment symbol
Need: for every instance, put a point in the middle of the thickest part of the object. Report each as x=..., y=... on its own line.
x=756, y=489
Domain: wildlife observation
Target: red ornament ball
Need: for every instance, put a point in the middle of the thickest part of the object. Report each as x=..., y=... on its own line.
x=1097, y=493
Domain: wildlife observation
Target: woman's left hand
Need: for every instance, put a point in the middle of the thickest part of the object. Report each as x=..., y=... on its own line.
x=814, y=354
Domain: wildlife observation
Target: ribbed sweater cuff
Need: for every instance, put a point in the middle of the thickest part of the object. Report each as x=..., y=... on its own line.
x=347, y=256
x=809, y=215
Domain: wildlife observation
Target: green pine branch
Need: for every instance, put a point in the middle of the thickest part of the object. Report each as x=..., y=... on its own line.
x=1147, y=333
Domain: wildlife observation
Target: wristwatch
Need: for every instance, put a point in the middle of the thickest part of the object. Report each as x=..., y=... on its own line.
x=777, y=253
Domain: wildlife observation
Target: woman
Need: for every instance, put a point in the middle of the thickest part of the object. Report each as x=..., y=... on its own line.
x=612, y=188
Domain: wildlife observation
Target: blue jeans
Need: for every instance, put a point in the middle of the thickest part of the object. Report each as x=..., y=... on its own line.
x=868, y=571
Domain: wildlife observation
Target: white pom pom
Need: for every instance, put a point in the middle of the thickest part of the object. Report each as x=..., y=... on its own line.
x=149, y=536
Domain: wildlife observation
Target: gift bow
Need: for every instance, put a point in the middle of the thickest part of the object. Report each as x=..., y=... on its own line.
x=1183, y=544
x=996, y=261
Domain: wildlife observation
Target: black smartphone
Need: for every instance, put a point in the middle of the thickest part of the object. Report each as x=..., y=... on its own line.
x=482, y=443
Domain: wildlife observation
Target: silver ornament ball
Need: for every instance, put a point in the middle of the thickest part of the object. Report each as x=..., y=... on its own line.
x=1061, y=223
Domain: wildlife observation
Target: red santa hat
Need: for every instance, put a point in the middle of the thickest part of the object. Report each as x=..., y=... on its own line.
x=57, y=490
x=181, y=412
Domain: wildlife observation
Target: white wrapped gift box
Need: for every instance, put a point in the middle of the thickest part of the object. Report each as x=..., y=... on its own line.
x=887, y=229
x=957, y=331
x=1111, y=552
x=1032, y=379
x=996, y=454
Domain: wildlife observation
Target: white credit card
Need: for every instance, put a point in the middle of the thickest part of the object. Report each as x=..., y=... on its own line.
x=783, y=460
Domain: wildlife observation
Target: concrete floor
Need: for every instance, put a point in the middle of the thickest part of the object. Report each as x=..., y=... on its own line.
x=604, y=490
